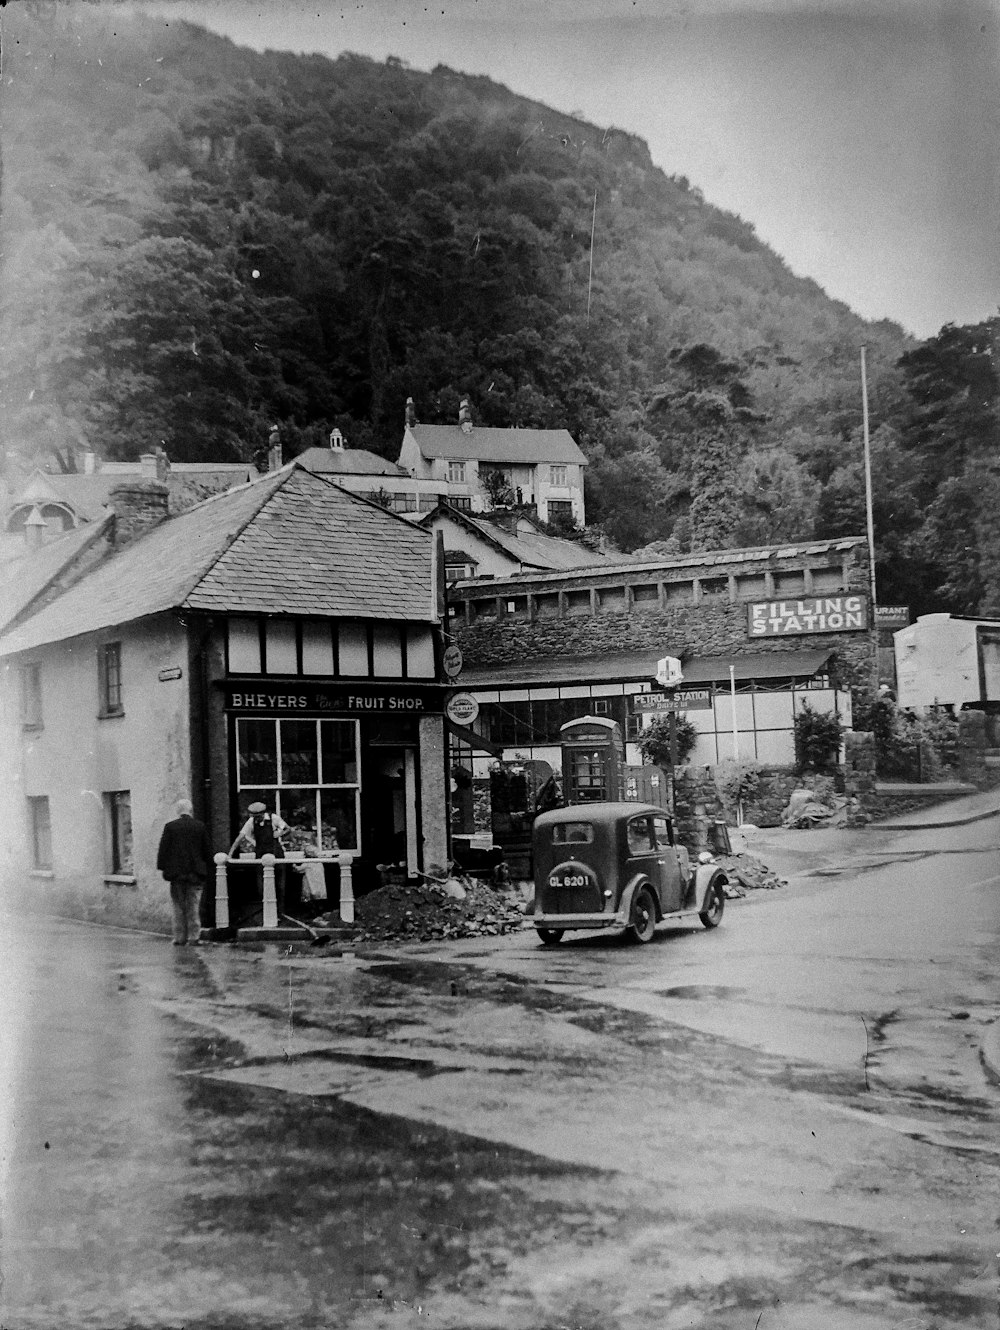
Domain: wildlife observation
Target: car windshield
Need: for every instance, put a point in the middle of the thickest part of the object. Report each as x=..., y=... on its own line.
x=572, y=833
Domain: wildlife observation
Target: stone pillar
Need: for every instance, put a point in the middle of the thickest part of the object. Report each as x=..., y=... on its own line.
x=972, y=748
x=270, y=919
x=346, y=862
x=433, y=792
x=222, y=891
x=859, y=776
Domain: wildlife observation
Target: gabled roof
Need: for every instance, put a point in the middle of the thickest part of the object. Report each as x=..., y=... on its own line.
x=487, y=444
x=348, y=461
x=287, y=543
x=532, y=548
x=24, y=579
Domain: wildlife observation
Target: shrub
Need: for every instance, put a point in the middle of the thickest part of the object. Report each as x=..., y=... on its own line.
x=737, y=783
x=654, y=743
x=818, y=736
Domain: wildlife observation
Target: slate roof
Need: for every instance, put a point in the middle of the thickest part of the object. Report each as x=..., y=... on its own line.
x=187, y=484
x=640, y=666
x=533, y=548
x=487, y=444
x=287, y=543
x=348, y=461
x=26, y=577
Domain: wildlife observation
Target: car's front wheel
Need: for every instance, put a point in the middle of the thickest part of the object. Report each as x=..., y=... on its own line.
x=549, y=937
x=642, y=916
x=715, y=903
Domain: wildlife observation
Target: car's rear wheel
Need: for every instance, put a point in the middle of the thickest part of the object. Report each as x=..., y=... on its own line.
x=642, y=916
x=715, y=903
x=549, y=937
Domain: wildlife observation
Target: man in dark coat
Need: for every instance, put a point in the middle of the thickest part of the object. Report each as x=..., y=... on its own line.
x=184, y=857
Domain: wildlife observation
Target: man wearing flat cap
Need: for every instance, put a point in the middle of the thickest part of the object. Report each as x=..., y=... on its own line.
x=262, y=830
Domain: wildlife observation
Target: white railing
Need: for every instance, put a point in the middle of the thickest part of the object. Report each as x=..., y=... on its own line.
x=344, y=860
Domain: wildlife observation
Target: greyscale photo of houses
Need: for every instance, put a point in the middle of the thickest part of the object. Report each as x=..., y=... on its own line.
x=499, y=665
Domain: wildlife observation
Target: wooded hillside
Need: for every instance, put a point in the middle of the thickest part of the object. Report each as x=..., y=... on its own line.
x=198, y=241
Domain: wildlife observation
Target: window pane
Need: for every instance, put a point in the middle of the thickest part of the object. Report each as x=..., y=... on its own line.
x=569, y=833
x=339, y=819
x=340, y=766
x=280, y=642
x=638, y=836
x=661, y=831
x=298, y=808
x=387, y=651
x=257, y=743
x=41, y=832
x=317, y=649
x=353, y=644
x=112, y=672
x=299, y=758
x=244, y=646
x=420, y=652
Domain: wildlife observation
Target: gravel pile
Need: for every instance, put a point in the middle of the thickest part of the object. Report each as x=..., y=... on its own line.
x=422, y=911
x=748, y=873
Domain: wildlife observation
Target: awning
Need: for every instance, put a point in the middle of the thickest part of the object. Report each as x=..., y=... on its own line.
x=640, y=667
x=473, y=739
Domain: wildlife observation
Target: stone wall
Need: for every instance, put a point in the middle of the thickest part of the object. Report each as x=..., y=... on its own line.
x=972, y=749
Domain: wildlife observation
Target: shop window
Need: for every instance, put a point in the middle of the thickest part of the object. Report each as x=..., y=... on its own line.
x=40, y=825
x=109, y=668
x=419, y=652
x=352, y=641
x=244, y=646
x=31, y=696
x=118, y=832
x=387, y=651
x=317, y=649
x=456, y=473
x=307, y=771
x=281, y=653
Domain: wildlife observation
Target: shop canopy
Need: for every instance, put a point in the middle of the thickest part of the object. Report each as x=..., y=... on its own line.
x=640, y=667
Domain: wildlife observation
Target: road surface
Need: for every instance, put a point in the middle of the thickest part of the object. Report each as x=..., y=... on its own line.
x=784, y=1122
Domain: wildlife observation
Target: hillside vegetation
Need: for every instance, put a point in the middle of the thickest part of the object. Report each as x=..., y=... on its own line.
x=198, y=241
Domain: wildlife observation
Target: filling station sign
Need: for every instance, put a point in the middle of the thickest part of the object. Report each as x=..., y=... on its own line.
x=812, y=614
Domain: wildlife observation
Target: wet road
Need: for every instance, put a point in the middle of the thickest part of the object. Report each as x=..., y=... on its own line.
x=780, y=1123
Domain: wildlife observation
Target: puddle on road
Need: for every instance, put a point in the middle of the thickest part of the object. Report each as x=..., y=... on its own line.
x=695, y=992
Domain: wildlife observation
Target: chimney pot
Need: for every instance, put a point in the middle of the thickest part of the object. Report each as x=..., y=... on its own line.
x=274, y=449
x=411, y=413
x=35, y=527
x=336, y=440
x=465, y=415
x=147, y=466
x=89, y=462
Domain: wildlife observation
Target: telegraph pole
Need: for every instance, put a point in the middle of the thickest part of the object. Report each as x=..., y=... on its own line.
x=868, y=481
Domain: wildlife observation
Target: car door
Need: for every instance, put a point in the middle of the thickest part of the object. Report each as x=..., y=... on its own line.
x=668, y=867
x=642, y=852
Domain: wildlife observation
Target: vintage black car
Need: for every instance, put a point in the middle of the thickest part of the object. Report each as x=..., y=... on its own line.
x=618, y=865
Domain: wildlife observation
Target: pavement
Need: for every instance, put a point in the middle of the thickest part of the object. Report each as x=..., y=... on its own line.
x=799, y=855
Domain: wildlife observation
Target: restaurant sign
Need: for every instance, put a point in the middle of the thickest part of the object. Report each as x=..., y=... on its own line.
x=298, y=698
x=813, y=614
x=678, y=699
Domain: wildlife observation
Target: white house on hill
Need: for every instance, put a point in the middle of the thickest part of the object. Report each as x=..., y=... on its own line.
x=543, y=467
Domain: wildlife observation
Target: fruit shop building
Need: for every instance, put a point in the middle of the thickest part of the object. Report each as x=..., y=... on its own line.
x=279, y=642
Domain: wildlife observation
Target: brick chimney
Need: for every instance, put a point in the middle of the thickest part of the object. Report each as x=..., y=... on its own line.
x=411, y=413
x=274, y=449
x=138, y=506
x=465, y=415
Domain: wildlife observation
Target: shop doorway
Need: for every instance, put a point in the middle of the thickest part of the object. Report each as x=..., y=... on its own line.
x=389, y=808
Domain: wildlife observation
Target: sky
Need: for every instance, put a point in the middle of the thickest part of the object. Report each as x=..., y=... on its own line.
x=860, y=137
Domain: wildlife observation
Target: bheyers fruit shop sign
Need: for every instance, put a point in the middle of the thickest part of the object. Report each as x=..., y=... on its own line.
x=813, y=614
